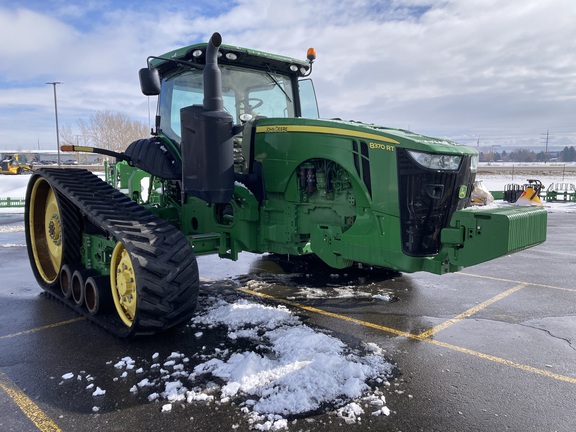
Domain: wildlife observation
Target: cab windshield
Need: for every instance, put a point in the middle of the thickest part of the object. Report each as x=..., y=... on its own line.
x=244, y=91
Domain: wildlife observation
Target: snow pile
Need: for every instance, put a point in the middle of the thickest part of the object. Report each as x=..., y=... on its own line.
x=297, y=371
x=291, y=368
x=283, y=369
x=13, y=186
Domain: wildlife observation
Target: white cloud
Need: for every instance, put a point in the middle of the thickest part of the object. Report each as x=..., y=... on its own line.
x=442, y=67
x=35, y=40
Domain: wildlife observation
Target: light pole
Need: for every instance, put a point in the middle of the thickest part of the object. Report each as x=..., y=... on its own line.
x=54, y=83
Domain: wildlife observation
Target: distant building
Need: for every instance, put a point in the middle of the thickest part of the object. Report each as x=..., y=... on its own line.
x=50, y=157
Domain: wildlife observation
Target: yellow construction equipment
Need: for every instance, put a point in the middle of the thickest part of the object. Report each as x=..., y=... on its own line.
x=15, y=163
x=531, y=194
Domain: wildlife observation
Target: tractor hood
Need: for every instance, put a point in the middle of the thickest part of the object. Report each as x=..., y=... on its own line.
x=408, y=138
x=375, y=135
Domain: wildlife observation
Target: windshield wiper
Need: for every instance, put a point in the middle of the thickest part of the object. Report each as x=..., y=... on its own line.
x=278, y=84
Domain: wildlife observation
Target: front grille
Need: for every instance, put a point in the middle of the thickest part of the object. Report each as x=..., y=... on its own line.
x=427, y=199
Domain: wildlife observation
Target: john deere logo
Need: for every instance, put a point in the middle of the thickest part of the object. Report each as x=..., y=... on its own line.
x=462, y=192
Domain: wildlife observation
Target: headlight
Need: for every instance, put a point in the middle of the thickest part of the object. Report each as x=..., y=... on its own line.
x=474, y=164
x=436, y=161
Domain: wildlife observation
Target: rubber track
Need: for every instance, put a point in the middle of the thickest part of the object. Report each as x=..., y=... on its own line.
x=164, y=262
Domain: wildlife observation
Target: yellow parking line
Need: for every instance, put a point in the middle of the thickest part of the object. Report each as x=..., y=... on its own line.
x=29, y=408
x=32, y=411
x=489, y=357
x=329, y=314
x=471, y=311
x=517, y=281
x=37, y=329
x=502, y=361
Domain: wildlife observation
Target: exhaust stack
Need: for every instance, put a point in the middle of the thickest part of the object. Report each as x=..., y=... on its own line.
x=207, y=138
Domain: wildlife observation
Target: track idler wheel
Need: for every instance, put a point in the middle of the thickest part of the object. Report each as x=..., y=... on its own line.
x=149, y=292
x=52, y=232
x=123, y=281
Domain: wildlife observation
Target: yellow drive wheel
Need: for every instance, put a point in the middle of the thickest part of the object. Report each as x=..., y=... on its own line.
x=46, y=233
x=123, y=281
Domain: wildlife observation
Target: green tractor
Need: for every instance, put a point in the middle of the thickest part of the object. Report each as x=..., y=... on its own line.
x=239, y=160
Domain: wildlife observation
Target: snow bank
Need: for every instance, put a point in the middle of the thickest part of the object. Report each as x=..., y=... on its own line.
x=300, y=369
x=13, y=186
x=285, y=369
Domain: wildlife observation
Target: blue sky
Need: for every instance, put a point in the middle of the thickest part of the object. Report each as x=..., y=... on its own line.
x=500, y=72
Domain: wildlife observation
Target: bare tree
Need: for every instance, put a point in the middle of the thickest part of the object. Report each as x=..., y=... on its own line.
x=113, y=131
x=66, y=135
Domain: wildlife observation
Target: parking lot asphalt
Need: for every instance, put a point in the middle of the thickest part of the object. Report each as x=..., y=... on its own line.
x=491, y=348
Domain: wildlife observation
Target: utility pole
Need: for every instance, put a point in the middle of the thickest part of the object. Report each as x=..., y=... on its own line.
x=54, y=83
x=546, y=152
x=77, y=153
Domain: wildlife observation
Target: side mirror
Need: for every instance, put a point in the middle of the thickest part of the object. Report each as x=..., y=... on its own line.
x=149, y=81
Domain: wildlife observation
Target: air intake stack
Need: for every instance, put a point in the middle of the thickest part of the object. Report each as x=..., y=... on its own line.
x=207, y=138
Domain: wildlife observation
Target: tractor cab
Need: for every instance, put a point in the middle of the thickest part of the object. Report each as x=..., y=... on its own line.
x=211, y=96
x=253, y=85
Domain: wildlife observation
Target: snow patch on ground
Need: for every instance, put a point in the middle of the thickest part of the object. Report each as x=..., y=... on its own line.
x=13, y=186
x=285, y=369
x=360, y=291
